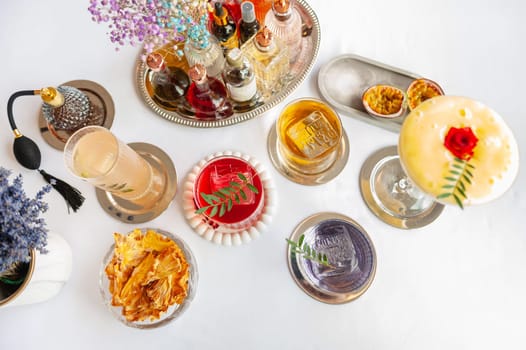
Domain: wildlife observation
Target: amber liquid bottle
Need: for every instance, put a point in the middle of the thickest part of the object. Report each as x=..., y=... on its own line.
x=224, y=27
x=248, y=25
x=207, y=95
x=169, y=84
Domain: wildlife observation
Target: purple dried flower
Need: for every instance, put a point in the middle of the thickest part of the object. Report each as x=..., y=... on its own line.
x=21, y=228
x=151, y=22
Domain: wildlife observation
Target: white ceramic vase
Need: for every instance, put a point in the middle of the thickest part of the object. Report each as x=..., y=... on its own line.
x=50, y=273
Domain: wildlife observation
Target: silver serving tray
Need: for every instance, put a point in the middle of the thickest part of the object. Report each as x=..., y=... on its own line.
x=343, y=80
x=300, y=70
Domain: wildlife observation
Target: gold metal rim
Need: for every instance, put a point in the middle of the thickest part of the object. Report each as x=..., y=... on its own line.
x=24, y=284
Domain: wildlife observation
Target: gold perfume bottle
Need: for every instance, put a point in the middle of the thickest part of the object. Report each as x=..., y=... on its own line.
x=269, y=57
x=65, y=107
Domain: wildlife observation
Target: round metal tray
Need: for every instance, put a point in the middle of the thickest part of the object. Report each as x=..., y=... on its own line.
x=300, y=70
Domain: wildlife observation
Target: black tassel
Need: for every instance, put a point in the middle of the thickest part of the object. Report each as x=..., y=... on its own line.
x=28, y=155
x=73, y=197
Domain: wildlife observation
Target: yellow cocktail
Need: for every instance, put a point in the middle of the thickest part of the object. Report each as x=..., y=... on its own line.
x=458, y=151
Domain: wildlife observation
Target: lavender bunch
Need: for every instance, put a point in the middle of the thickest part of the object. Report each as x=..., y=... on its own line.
x=154, y=23
x=21, y=228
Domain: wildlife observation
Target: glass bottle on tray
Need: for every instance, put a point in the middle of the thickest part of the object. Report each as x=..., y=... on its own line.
x=206, y=51
x=207, y=95
x=224, y=28
x=285, y=22
x=169, y=84
x=240, y=81
x=248, y=25
x=269, y=57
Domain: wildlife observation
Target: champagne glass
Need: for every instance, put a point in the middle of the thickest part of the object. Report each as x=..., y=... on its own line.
x=452, y=150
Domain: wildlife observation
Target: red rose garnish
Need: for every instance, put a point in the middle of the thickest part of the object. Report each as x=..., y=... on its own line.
x=461, y=142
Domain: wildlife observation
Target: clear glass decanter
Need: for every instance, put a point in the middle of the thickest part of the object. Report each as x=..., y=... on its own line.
x=207, y=95
x=207, y=52
x=285, y=22
x=269, y=57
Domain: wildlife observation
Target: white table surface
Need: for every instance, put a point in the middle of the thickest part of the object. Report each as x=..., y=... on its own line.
x=458, y=283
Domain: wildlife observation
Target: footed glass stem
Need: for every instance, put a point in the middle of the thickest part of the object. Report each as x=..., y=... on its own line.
x=395, y=192
x=391, y=195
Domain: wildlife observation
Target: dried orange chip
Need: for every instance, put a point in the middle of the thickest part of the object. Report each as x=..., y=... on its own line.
x=147, y=274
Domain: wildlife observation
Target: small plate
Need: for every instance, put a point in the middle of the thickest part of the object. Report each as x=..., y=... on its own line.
x=306, y=179
x=299, y=71
x=383, y=88
x=350, y=251
x=379, y=169
x=217, y=233
x=343, y=80
x=101, y=114
x=130, y=213
x=175, y=310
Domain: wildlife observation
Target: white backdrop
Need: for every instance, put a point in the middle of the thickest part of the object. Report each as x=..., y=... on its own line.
x=458, y=283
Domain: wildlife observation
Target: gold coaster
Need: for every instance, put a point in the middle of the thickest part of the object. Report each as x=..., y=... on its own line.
x=381, y=200
x=131, y=213
x=101, y=114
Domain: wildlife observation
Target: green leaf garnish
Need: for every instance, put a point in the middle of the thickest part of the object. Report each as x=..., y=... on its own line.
x=221, y=201
x=214, y=211
x=303, y=249
x=243, y=194
x=219, y=194
x=252, y=188
x=460, y=172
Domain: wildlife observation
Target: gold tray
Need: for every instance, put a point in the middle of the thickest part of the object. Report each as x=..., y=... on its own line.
x=300, y=70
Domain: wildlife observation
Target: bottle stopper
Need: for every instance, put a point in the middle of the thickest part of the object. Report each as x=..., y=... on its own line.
x=155, y=61
x=281, y=6
x=197, y=73
x=264, y=37
x=248, y=13
x=52, y=96
x=234, y=57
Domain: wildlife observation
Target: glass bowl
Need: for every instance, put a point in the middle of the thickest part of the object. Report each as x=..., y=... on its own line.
x=175, y=310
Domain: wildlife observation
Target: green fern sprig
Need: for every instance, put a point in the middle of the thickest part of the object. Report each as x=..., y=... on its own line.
x=302, y=248
x=222, y=200
x=460, y=175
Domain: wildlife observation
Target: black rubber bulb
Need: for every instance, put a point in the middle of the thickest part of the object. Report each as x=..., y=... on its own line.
x=27, y=152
